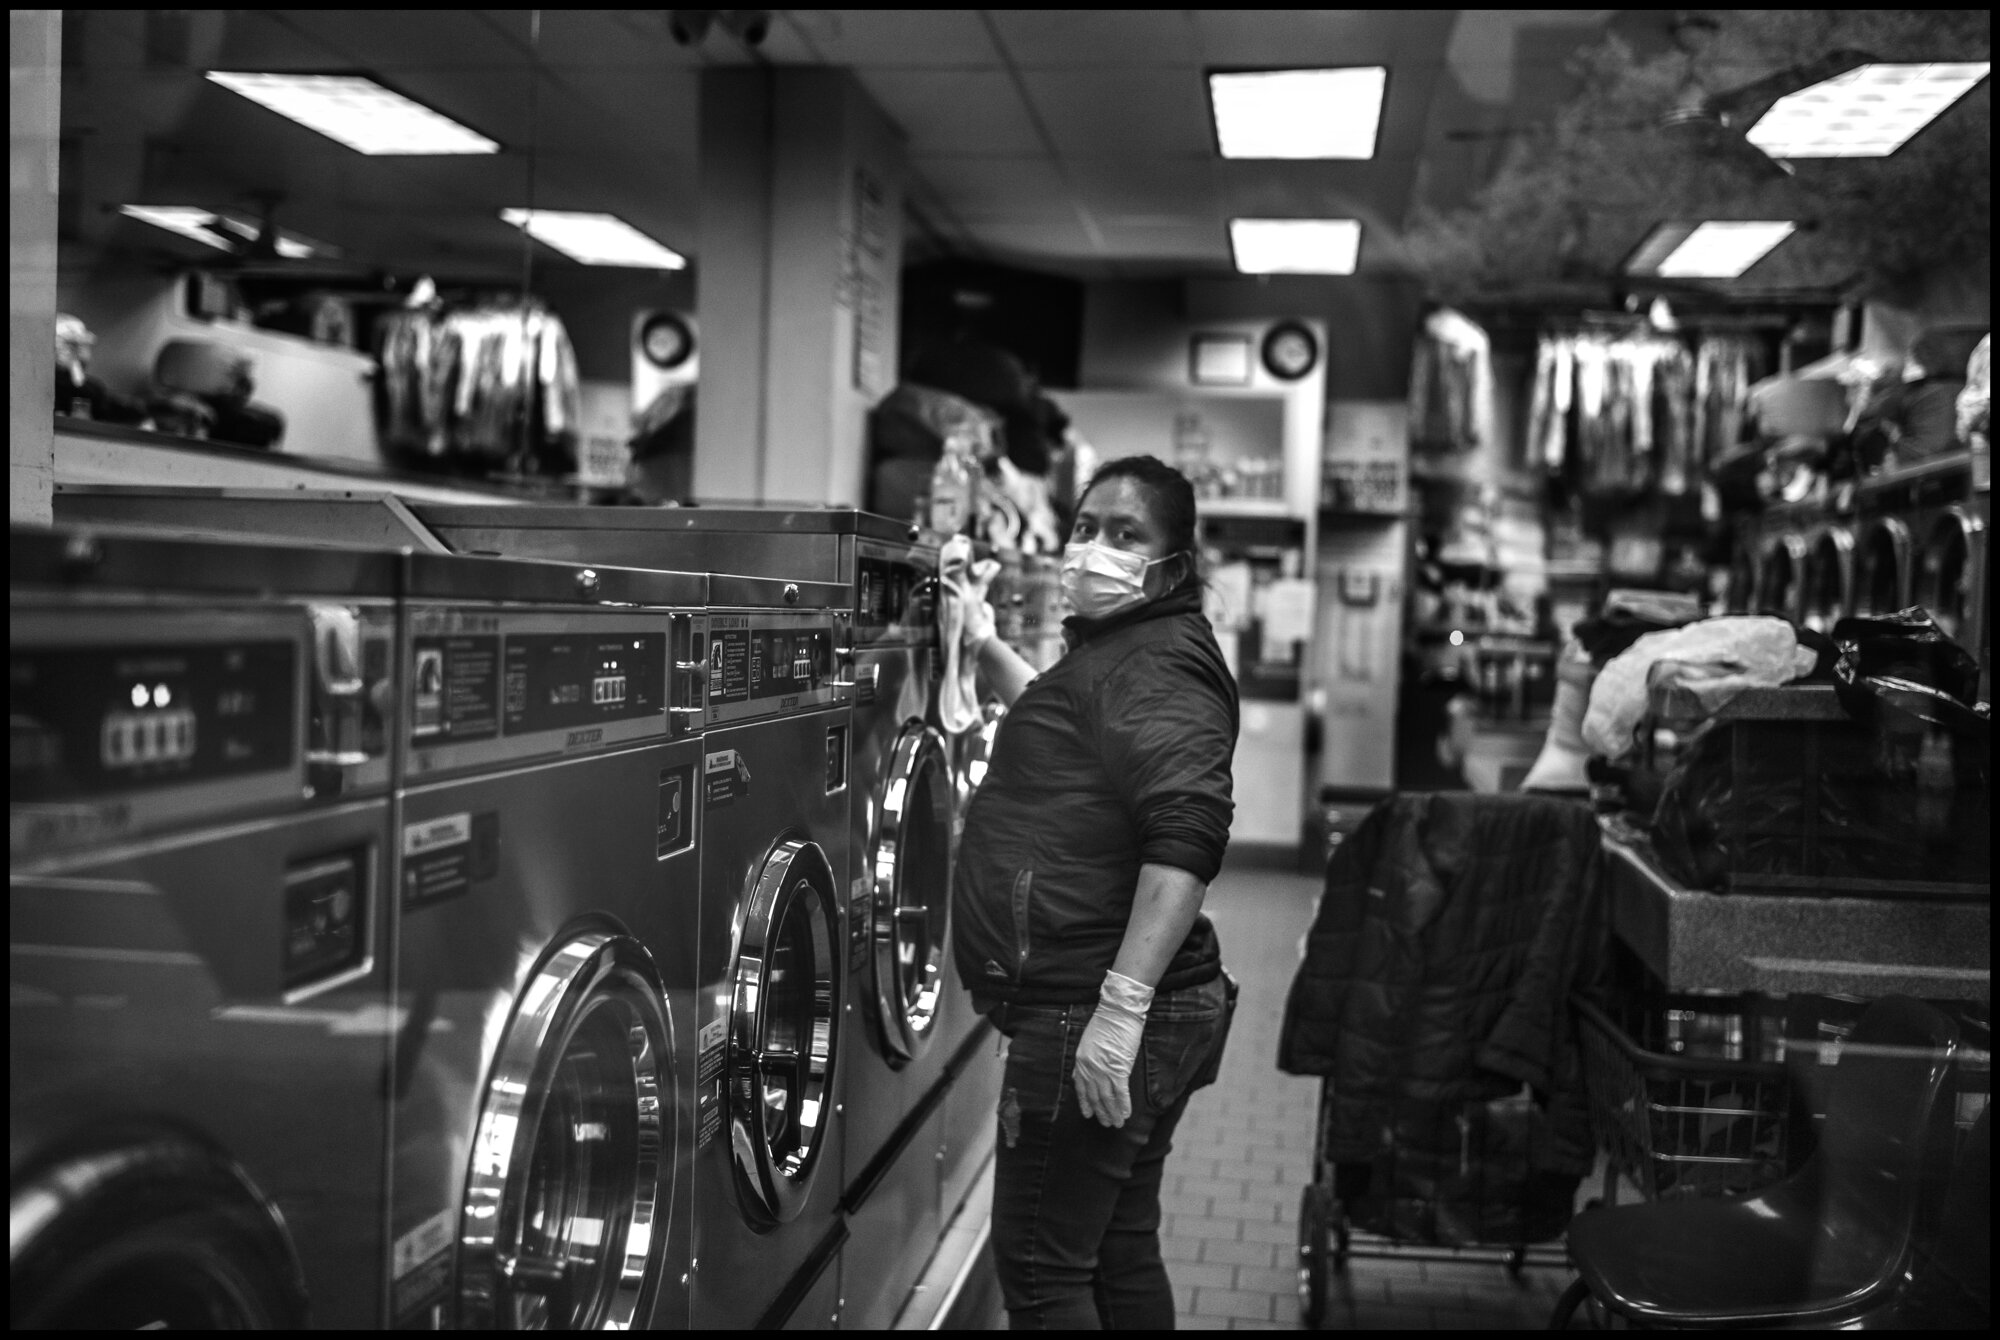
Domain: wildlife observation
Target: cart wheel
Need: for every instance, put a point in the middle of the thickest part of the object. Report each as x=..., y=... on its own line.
x=1516, y=1258
x=1566, y=1306
x=1342, y=1243
x=1313, y=1217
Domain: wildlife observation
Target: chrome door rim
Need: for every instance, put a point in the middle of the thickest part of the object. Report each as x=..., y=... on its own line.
x=600, y=981
x=906, y=1009
x=1897, y=537
x=777, y=1180
x=1954, y=530
x=1834, y=546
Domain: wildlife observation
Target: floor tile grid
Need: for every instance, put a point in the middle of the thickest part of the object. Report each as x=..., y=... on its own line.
x=1243, y=1156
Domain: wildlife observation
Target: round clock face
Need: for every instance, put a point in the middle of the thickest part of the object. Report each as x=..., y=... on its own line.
x=666, y=341
x=1290, y=351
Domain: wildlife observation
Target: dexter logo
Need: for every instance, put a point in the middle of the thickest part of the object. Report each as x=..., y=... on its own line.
x=578, y=738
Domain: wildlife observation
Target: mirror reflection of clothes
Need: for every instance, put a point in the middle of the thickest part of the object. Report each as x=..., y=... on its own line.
x=494, y=383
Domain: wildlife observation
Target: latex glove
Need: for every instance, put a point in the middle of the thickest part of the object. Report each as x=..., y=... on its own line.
x=1109, y=1049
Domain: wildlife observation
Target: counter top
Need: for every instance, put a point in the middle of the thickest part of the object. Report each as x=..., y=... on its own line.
x=1780, y=944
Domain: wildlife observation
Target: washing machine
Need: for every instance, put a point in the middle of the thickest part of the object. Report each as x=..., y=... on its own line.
x=1949, y=568
x=1744, y=570
x=1826, y=578
x=1882, y=566
x=910, y=1155
x=199, y=845
x=1780, y=569
x=548, y=844
x=773, y=959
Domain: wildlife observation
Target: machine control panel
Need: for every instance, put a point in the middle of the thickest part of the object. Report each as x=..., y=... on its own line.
x=91, y=721
x=895, y=598
x=491, y=684
x=766, y=663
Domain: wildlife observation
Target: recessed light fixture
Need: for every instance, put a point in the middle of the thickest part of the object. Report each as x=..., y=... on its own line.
x=1295, y=246
x=1717, y=249
x=595, y=239
x=1298, y=113
x=358, y=112
x=1866, y=113
x=216, y=229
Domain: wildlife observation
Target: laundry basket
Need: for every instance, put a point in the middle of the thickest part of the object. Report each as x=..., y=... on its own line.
x=1683, y=1125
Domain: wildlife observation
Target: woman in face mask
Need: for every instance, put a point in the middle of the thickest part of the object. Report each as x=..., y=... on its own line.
x=1077, y=923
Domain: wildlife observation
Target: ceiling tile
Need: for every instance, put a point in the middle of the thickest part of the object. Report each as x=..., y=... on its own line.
x=1018, y=189
x=1054, y=238
x=393, y=39
x=1198, y=243
x=926, y=38
x=1101, y=112
x=955, y=111
x=1097, y=37
x=1133, y=186
x=1285, y=38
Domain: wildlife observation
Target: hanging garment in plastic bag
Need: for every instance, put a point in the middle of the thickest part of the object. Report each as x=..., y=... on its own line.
x=958, y=698
x=1749, y=651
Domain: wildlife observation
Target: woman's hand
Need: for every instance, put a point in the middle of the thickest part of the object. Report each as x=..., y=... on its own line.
x=1109, y=1049
x=977, y=625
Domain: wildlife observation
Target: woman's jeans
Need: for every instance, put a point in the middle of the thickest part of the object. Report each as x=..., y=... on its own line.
x=1076, y=1205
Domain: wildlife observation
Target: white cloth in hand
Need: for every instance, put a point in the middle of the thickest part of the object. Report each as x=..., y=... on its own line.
x=1109, y=1049
x=966, y=622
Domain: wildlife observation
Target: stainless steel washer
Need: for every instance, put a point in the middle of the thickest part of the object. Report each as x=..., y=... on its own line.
x=199, y=938
x=548, y=870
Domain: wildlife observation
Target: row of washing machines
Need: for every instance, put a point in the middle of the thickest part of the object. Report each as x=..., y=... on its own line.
x=500, y=917
x=1922, y=543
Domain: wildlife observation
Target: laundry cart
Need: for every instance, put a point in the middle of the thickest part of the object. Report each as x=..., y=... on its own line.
x=1432, y=1001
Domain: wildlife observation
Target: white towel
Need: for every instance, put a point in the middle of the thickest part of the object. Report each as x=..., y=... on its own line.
x=958, y=700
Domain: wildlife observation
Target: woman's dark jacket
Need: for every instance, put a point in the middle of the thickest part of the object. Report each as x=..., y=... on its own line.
x=1438, y=970
x=1115, y=757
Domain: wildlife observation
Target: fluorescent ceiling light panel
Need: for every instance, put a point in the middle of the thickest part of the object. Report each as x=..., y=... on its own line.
x=358, y=112
x=1723, y=249
x=1295, y=246
x=186, y=220
x=595, y=239
x=1298, y=113
x=1866, y=113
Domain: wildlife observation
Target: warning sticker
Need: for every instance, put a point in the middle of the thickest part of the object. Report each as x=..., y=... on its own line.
x=423, y=1242
x=860, y=922
x=708, y=1122
x=443, y=857
x=725, y=776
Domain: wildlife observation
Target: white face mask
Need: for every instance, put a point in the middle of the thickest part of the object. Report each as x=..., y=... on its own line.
x=1099, y=581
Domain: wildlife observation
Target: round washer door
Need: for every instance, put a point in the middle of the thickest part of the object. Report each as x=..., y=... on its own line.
x=1881, y=568
x=1778, y=577
x=1828, y=576
x=138, y=1228
x=571, y=1184
x=1944, y=575
x=1743, y=573
x=784, y=1030
x=910, y=865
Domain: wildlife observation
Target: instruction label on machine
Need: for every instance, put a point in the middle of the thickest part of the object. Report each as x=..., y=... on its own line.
x=457, y=694
x=422, y=1265
x=860, y=922
x=725, y=776
x=442, y=857
x=714, y=1041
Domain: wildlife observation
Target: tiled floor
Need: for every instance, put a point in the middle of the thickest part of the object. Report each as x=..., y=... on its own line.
x=1243, y=1154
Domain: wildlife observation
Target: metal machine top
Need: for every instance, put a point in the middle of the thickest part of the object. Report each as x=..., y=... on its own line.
x=343, y=518
x=86, y=559
x=707, y=520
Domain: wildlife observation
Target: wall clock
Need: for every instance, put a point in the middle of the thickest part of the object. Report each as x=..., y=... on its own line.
x=666, y=341
x=1290, y=351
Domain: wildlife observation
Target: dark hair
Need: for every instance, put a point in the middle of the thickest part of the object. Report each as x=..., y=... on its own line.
x=1172, y=498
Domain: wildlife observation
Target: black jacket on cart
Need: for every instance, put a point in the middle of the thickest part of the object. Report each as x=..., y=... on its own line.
x=1116, y=756
x=1436, y=977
